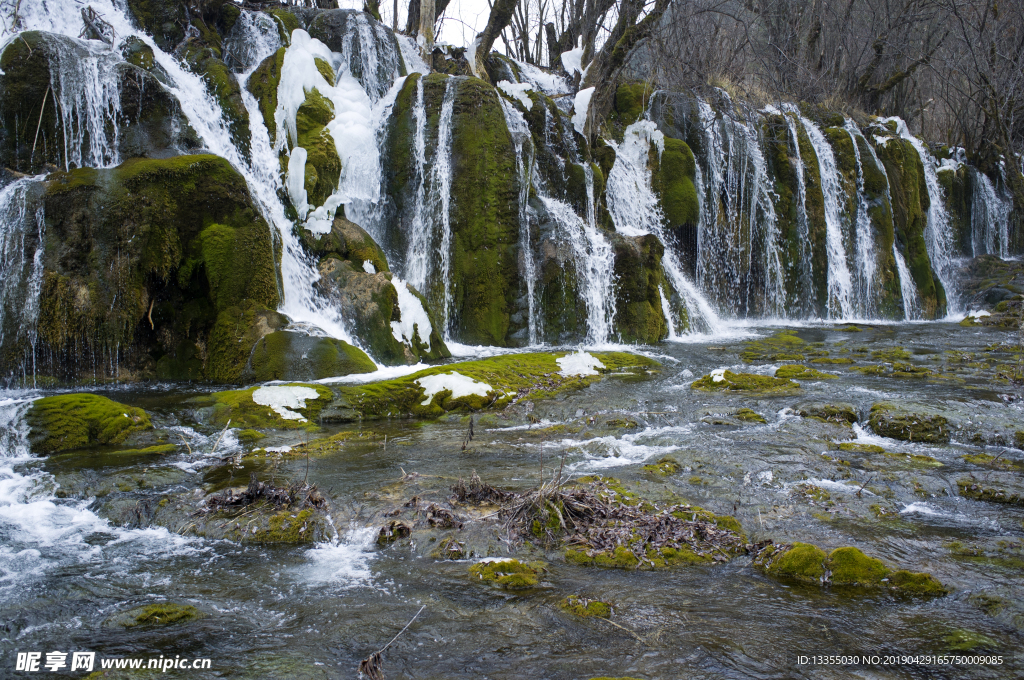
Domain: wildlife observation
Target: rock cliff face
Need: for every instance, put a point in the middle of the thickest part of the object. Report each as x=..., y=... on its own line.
x=353, y=195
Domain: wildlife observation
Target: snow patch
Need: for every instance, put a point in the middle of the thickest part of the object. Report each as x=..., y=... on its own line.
x=414, y=316
x=517, y=91
x=580, y=107
x=283, y=398
x=368, y=267
x=572, y=61
x=718, y=375
x=579, y=363
x=460, y=385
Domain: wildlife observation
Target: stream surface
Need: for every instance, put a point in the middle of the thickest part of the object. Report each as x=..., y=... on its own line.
x=71, y=557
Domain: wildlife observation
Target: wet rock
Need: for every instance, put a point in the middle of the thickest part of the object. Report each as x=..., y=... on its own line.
x=970, y=488
x=841, y=414
x=801, y=372
x=72, y=421
x=298, y=405
x=510, y=574
x=162, y=614
x=294, y=355
x=895, y=422
x=749, y=416
x=664, y=467
x=782, y=346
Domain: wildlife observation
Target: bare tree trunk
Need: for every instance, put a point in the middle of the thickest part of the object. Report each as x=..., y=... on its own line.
x=501, y=15
x=426, y=33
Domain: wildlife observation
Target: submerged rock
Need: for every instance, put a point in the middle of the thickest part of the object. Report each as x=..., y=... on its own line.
x=801, y=372
x=510, y=574
x=162, y=614
x=842, y=414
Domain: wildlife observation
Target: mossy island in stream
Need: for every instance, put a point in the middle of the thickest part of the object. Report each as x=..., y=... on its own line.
x=724, y=380
x=846, y=566
x=510, y=574
x=72, y=421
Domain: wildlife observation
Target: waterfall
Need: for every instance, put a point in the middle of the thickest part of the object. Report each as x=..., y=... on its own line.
x=865, y=294
x=840, y=282
x=938, y=235
x=672, y=337
x=806, y=263
x=635, y=211
x=990, y=218
x=523, y=142
x=252, y=39
x=431, y=219
x=21, y=276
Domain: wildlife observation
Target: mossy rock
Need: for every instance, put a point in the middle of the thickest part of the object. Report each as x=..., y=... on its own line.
x=166, y=262
x=894, y=422
x=163, y=614
x=970, y=488
x=323, y=165
x=782, y=346
x=664, y=467
x=289, y=527
x=73, y=421
x=510, y=574
x=346, y=241
x=674, y=179
x=293, y=355
x=847, y=566
x=996, y=462
x=165, y=21
x=834, y=361
x=584, y=608
x=961, y=640
x=155, y=450
x=249, y=437
x=263, y=84
x=861, y=448
x=238, y=407
x=511, y=376
x=801, y=372
x=750, y=416
x=744, y=382
x=841, y=414
x=639, y=281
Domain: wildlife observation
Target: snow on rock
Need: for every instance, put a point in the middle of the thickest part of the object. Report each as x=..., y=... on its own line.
x=580, y=107
x=460, y=385
x=978, y=314
x=572, y=61
x=283, y=398
x=579, y=363
x=517, y=91
x=368, y=267
x=718, y=375
x=414, y=316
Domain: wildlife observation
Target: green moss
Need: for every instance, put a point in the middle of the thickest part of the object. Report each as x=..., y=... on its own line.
x=639, y=281
x=158, y=450
x=993, y=461
x=631, y=99
x=850, y=566
x=664, y=467
x=749, y=416
x=832, y=360
x=163, y=614
x=249, y=437
x=745, y=382
x=323, y=166
x=286, y=22
x=896, y=423
x=291, y=355
x=842, y=414
x=263, y=85
x=510, y=574
x=802, y=562
x=801, y=372
x=915, y=583
x=861, y=448
x=674, y=181
x=238, y=407
x=579, y=606
x=287, y=527
x=72, y=421
x=619, y=558
x=969, y=488
x=890, y=355
x=782, y=346
x=346, y=241
x=534, y=375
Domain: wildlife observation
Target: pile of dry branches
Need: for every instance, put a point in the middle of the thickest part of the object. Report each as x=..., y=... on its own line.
x=298, y=494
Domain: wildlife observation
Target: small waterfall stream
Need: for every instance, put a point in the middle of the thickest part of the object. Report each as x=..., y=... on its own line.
x=990, y=217
x=806, y=304
x=21, y=233
x=866, y=295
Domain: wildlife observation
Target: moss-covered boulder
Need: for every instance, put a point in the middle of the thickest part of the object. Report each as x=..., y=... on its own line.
x=346, y=241
x=640, y=281
x=841, y=414
x=895, y=422
x=723, y=380
x=323, y=165
x=32, y=128
x=801, y=372
x=165, y=21
x=293, y=355
x=483, y=384
x=73, y=421
x=584, y=607
x=262, y=84
x=155, y=268
x=845, y=566
x=971, y=488
x=510, y=574
x=673, y=179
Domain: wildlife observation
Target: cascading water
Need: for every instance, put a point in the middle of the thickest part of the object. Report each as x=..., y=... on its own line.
x=523, y=142
x=21, y=233
x=865, y=294
x=806, y=301
x=938, y=233
x=840, y=282
x=990, y=218
x=252, y=39
x=635, y=211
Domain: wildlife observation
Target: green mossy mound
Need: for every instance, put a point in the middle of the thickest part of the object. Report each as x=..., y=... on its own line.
x=166, y=264
x=249, y=437
x=801, y=372
x=894, y=422
x=346, y=241
x=673, y=179
x=292, y=355
x=323, y=165
x=238, y=407
x=749, y=416
x=263, y=86
x=841, y=414
x=155, y=450
x=782, y=346
x=970, y=488
x=511, y=377
x=861, y=448
x=288, y=527
x=510, y=574
x=74, y=421
x=664, y=467
x=846, y=566
x=968, y=641
x=584, y=608
x=163, y=614
x=745, y=382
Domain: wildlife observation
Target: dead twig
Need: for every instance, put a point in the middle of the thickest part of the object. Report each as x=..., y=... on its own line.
x=217, y=443
x=373, y=665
